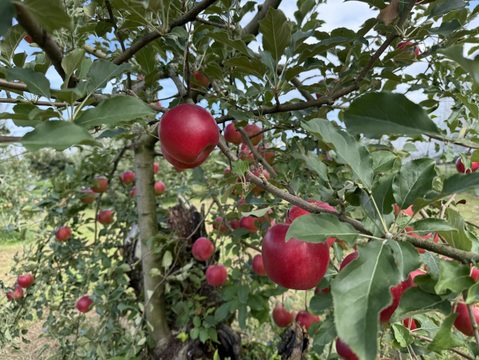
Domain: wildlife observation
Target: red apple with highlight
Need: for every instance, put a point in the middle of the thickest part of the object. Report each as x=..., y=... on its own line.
x=216, y=275
x=84, y=304
x=100, y=184
x=232, y=134
x=281, y=316
x=463, y=321
x=253, y=129
x=461, y=168
x=63, y=233
x=203, y=249
x=105, y=217
x=88, y=196
x=127, y=177
x=159, y=187
x=26, y=280
x=257, y=265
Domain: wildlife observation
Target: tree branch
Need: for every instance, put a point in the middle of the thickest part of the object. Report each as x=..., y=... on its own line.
x=253, y=26
x=35, y=102
x=145, y=40
x=10, y=139
x=15, y=86
x=44, y=40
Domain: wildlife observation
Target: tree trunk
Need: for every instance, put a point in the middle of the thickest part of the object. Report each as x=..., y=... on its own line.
x=155, y=310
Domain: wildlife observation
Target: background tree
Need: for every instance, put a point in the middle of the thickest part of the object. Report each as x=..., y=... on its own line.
x=327, y=106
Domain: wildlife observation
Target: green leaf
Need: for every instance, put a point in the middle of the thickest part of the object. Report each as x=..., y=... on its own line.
x=383, y=192
x=102, y=71
x=320, y=302
x=167, y=259
x=445, y=337
x=249, y=66
x=239, y=45
x=6, y=15
x=415, y=301
x=458, y=239
x=402, y=335
x=384, y=161
x=276, y=32
x=317, y=228
x=59, y=135
x=378, y=225
x=113, y=111
x=312, y=161
x=413, y=181
x=471, y=66
x=258, y=212
x=51, y=15
x=431, y=225
x=405, y=256
x=453, y=276
x=348, y=149
x=443, y=7
x=325, y=334
x=360, y=291
x=10, y=41
x=458, y=183
x=473, y=294
x=36, y=82
x=71, y=62
x=377, y=114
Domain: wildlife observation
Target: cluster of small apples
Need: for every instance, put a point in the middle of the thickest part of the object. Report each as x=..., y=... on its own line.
x=188, y=134
x=202, y=250
x=128, y=178
x=23, y=282
x=282, y=317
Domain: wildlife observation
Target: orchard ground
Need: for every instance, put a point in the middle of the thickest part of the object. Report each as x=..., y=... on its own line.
x=36, y=342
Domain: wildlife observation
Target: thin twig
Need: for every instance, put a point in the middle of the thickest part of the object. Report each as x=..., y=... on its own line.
x=458, y=352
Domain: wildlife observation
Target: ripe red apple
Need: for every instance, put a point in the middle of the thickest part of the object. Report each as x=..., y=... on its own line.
x=349, y=258
x=296, y=211
x=232, y=135
x=235, y=224
x=463, y=321
x=84, y=304
x=88, y=196
x=408, y=46
x=475, y=273
x=219, y=224
x=281, y=316
x=200, y=79
x=63, y=233
x=258, y=190
x=18, y=292
x=257, y=265
x=203, y=249
x=127, y=177
x=267, y=154
x=156, y=166
x=101, y=184
x=105, y=217
x=304, y=318
x=252, y=129
x=159, y=187
x=294, y=264
x=460, y=167
x=10, y=296
x=325, y=290
x=249, y=222
x=28, y=39
x=216, y=275
x=396, y=292
x=344, y=351
x=410, y=323
x=25, y=281
x=407, y=211
x=188, y=133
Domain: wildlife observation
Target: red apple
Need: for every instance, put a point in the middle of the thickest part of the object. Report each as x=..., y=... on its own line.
x=63, y=233
x=281, y=316
x=396, y=292
x=463, y=321
x=246, y=154
x=156, y=166
x=235, y=224
x=296, y=211
x=257, y=265
x=200, y=79
x=28, y=39
x=344, y=351
x=10, y=296
x=25, y=281
x=325, y=290
x=408, y=46
x=127, y=177
x=415, y=273
x=105, y=217
x=348, y=259
x=18, y=292
x=249, y=222
x=101, y=184
x=252, y=129
x=232, y=135
x=84, y=304
x=258, y=190
x=407, y=211
x=475, y=273
x=460, y=167
x=159, y=187
x=216, y=275
x=88, y=196
x=219, y=224
x=410, y=323
x=304, y=318
x=294, y=264
x=188, y=133
x=133, y=191
x=203, y=249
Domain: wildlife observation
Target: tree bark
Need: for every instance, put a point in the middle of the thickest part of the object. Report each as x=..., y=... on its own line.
x=155, y=310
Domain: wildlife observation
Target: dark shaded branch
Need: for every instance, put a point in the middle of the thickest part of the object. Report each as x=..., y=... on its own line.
x=44, y=40
x=37, y=102
x=10, y=139
x=16, y=86
x=253, y=26
x=145, y=40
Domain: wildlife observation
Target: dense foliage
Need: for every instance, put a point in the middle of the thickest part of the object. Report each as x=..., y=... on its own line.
x=338, y=112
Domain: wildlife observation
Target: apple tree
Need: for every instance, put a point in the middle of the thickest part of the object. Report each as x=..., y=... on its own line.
x=253, y=129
